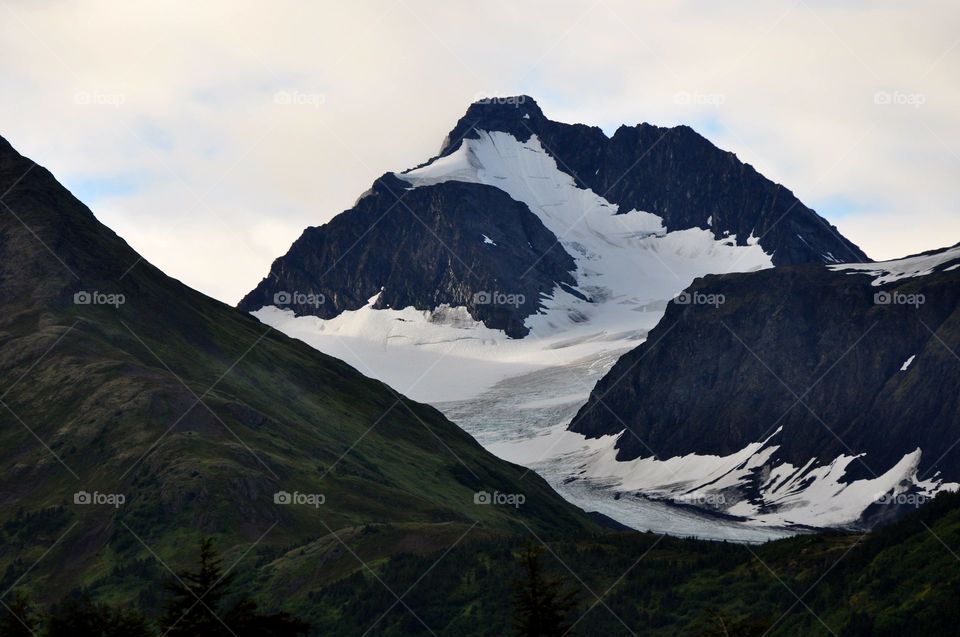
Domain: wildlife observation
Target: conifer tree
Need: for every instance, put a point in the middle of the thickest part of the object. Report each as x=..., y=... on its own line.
x=18, y=618
x=542, y=602
x=196, y=597
x=198, y=606
x=79, y=616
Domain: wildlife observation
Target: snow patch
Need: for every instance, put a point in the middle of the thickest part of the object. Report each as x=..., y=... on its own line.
x=815, y=495
x=889, y=271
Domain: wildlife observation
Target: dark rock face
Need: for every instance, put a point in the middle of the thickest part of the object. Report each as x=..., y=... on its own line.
x=804, y=348
x=424, y=247
x=674, y=173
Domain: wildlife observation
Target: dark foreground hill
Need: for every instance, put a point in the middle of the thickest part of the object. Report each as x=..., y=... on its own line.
x=136, y=413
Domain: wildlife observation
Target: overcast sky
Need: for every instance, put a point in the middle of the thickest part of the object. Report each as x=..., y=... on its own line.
x=209, y=134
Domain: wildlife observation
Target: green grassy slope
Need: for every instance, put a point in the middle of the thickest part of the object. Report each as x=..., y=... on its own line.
x=197, y=414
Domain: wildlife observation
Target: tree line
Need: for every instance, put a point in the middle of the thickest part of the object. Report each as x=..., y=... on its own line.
x=196, y=606
x=544, y=604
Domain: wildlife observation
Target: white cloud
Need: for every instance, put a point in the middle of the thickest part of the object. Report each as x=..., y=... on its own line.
x=176, y=102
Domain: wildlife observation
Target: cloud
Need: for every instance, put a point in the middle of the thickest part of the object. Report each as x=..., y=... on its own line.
x=209, y=135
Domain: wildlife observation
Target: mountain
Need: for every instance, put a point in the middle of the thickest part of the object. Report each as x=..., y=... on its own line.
x=454, y=230
x=803, y=395
x=500, y=279
x=137, y=413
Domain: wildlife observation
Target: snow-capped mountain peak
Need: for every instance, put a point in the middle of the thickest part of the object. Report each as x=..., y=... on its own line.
x=530, y=249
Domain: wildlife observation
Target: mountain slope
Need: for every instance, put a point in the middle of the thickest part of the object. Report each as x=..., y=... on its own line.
x=808, y=395
x=180, y=415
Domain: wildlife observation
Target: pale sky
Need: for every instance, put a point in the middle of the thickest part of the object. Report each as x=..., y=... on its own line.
x=210, y=134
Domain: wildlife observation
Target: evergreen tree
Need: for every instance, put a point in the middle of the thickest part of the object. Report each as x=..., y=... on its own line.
x=721, y=624
x=185, y=616
x=542, y=602
x=18, y=617
x=859, y=625
x=196, y=597
x=245, y=621
x=79, y=616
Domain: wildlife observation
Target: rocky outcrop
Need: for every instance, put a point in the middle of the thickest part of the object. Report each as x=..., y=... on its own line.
x=453, y=243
